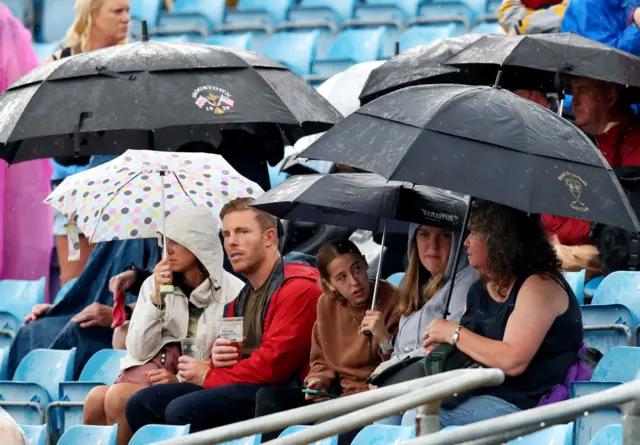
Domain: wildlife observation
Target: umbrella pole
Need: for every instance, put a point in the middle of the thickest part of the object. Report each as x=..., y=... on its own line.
x=454, y=272
x=377, y=282
x=498, y=79
x=165, y=289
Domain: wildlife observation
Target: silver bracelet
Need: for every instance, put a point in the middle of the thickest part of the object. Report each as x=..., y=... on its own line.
x=455, y=336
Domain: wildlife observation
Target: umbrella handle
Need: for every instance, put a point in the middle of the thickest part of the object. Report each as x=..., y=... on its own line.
x=454, y=272
x=165, y=289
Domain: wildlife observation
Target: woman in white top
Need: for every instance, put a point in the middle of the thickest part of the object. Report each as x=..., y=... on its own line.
x=202, y=288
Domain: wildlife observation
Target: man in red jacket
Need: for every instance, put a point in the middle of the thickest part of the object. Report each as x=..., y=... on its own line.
x=601, y=111
x=278, y=304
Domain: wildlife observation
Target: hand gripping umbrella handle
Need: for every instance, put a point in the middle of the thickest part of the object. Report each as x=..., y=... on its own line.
x=376, y=284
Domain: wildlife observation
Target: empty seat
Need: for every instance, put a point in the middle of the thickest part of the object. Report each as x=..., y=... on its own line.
x=102, y=368
x=35, y=434
x=333, y=440
x=149, y=434
x=383, y=435
x=89, y=435
x=387, y=10
x=233, y=40
x=202, y=15
x=396, y=278
x=576, y=281
x=423, y=34
x=35, y=384
x=555, y=435
x=351, y=46
x=18, y=297
x=57, y=17
x=609, y=435
x=333, y=12
x=611, y=318
x=259, y=12
x=295, y=50
x=470, y=9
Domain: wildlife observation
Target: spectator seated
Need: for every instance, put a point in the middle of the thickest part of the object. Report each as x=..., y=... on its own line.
x=351, y=46
x=89, y=435
x=295, y=50
x=156, y=433
x=233, y=40
x=35, y=434
x=35, y=384
x=322, y=12
x=611, y=318
x=18, y=297
x=193, y=15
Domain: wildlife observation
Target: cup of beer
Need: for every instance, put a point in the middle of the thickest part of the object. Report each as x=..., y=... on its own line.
x=231, y=329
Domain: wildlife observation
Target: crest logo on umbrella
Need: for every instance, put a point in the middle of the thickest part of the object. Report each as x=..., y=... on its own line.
x=212, y=98
x=575, y=184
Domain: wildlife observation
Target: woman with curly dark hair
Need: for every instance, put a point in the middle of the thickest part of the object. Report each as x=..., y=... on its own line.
x=521, y=317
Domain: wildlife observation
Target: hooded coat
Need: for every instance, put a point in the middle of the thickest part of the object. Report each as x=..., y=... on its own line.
x=408, y=343
x=196, y=229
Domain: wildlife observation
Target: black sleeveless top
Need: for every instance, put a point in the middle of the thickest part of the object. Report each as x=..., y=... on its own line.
x=557, y=353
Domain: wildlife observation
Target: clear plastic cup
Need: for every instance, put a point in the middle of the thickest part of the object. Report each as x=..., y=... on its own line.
x=232, y=329
x=189, y=348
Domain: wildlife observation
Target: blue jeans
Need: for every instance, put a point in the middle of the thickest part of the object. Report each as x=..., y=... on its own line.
x=473, y=410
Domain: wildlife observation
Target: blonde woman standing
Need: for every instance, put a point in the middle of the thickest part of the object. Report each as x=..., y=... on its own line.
x=98, y=24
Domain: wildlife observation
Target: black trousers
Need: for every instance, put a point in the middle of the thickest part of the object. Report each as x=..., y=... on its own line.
x=274, y=399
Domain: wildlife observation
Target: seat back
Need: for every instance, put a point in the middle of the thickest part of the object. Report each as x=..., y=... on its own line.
x=47, y=368
x=610, y=316
x=333, y=440
x=471, y=8
x=35, y=434
x=423, y=34
x=4, y=358
x=19, y=296
x=397, y=10
x=586, y=427
x=576, y=281
x=251, y=440
x=619, y=364
x=9, y=322
x=103, y=366
x=487, y=27
x=149, y=434
x=447, y=10
x=148, y=10
x=609, y=435
x=396, y=278
x=63, y=290
x=193, y=14
x=259, y=12
x=351, y=46
x=57, y=17
x=383, y=435
x=89, y=435
x=332, y=11
x=17, y=8
x=295, y=50
x=556, y=435
x=621, y=287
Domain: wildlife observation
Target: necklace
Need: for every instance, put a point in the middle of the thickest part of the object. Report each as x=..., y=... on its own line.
x=354, y=319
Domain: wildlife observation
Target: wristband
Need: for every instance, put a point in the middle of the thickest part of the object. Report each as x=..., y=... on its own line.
x=387, y=348
x=455, y=336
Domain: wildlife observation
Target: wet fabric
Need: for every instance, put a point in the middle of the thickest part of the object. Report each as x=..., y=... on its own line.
x=55, y=330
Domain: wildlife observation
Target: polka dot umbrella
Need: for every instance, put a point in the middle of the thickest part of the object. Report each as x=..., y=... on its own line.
x=130, y=196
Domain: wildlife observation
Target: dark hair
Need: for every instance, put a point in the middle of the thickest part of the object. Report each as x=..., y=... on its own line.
x=516, y=243
x=328, y=252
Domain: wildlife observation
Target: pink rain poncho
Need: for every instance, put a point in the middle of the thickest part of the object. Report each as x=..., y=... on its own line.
x=26, y=239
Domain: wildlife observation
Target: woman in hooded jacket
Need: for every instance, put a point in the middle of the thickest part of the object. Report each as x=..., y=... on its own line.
x=201, y=290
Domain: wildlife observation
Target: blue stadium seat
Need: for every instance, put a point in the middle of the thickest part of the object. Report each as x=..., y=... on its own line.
x=555, y=435
x=193, y=15
x=383, y=435
x=194, y=37
x=609, y=435
x=396, y=278
x=4, y=357
x=148, y=10
x=18, y=297
x=586, y=427
x=385, y=10
x=89, y=435
x=233, y=40
x=295, y=50
x=470, y=9
x=576, y=281
x=493, y=6
x=251, y=440
x=63, y=290
x=611, y=318
x=590, y=286
x=486, y=27
x=333, y=440
x=423, y=34
x=57, y=17
x=102, y=368
x=149, y=434
x=45, y=50
x=351, y=46
x=9, y=322
x=36, y=434
x=17, y=8
x=35, y=383
x=259, y=12
x=317, y=11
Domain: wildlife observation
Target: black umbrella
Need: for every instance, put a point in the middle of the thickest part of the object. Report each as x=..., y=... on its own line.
x=363, y=201
x=422, y=65
x=484, y=142
x=153, y=95
x=561, y=53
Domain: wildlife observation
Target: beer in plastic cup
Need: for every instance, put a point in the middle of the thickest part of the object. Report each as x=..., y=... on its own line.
x=232, y=329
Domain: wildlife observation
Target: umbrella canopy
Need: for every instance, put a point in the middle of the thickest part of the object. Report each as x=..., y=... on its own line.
x=129, y=197
x=422, y=65
x=363, y=201
x=152, y=95
x=563, y=53
x=484, y=142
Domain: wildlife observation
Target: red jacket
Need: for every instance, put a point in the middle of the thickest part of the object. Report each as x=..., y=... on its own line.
x=288, y=322
x=621, y=148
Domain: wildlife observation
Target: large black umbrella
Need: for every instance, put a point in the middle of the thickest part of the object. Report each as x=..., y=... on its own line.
x=561, y=53
x=484, y=142
x=153, y=95
x=363, y=201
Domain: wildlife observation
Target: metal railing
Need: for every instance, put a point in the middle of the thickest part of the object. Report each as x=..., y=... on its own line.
x=413, y=393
